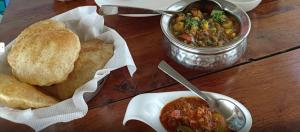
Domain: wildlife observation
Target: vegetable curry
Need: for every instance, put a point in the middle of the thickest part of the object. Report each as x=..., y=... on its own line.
x=191, y=114
x=202, y=29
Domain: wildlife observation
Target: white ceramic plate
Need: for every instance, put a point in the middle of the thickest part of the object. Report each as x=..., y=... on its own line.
x=246, y=5
x=149, y=4
x=146, y=108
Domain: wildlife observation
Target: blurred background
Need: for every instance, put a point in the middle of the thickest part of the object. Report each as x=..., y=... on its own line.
x=3, y=5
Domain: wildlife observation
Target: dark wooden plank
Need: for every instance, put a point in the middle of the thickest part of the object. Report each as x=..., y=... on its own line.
x=269, y=88
x=273, y=28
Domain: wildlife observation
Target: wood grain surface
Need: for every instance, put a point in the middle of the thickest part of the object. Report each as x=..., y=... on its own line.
x=268, y=88
x=261, y=79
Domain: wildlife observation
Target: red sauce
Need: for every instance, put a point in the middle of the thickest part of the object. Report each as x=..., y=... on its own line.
x=191, y=114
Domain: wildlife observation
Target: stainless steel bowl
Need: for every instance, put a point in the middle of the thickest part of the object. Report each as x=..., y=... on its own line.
x=208, y=58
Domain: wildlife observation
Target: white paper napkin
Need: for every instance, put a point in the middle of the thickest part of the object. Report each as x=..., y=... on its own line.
x=87, y=24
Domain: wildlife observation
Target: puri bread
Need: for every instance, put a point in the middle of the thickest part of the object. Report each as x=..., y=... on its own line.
x=16, y=94
x=40, y=27
x=44, y=53
x=93, y=56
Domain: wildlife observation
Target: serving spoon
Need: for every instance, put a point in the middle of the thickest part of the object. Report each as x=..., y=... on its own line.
x=106, y=10
x=234, y=116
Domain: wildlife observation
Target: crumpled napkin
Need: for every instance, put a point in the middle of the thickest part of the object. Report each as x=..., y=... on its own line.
x=87, y=24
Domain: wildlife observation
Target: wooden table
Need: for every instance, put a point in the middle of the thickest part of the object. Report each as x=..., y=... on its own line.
x=266, y=79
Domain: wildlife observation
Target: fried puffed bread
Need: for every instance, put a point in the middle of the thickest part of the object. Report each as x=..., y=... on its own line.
x=93, y=56
x=16, y=94
x=44, y=53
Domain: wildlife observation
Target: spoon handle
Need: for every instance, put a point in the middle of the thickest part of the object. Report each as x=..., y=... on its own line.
x=179, y=78
x=125, y=10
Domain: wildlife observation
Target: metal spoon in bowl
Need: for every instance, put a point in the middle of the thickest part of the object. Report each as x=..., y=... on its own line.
x=234, y=116
x=106, y=10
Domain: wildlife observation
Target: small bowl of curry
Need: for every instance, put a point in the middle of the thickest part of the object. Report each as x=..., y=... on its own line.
x=191, y=114
x=201, y=29
x=206, y=36
x=180, y=111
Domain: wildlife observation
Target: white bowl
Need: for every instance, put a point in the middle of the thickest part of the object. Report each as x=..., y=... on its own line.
x=146, y=108
x=246, y=5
